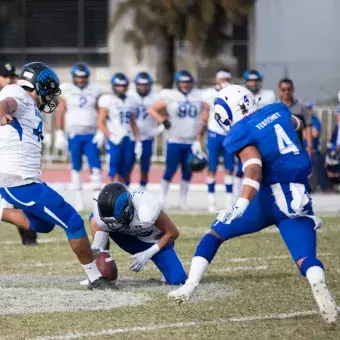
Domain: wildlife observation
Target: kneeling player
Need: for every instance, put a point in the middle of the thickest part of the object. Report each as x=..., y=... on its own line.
x=136, y=223
x=272, y=156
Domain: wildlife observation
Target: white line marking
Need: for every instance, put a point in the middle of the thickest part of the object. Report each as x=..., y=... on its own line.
x=234, y=269
x=114, y=331
x=43, y=240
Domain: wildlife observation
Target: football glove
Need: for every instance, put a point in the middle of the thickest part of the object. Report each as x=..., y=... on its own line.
x=60, y=141
x=47, y=141
x=138, y=150
x=196, y=147
x=115, y=139
x=167, y=124
x=98, y=139
x=142, y=258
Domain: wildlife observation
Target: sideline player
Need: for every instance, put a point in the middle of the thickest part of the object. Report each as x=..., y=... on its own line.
x=254, y=79
x=274, y=191
x=135, y=221
x=215, y=140
x=183, y=107
x=78, y=108
x=117, y=121
x=40, y=208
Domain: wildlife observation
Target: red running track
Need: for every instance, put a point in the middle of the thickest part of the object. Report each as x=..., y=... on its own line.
x=61, y=173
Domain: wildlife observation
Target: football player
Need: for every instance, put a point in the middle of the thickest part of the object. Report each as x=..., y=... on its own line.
x=274, y=191
x=254, y=80
x=135, y=221
x=117, y=121
x=144, y=97
x=78, y=108
x=183, y=107
x=215, y=140
x=40, y=208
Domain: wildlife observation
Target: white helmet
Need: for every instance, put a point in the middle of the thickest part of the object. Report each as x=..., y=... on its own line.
x=232, y=104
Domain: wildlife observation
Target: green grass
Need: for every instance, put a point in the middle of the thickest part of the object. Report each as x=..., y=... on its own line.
x=227, y=290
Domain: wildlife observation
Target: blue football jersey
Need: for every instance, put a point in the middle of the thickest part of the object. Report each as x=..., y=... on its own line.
x=271, y=131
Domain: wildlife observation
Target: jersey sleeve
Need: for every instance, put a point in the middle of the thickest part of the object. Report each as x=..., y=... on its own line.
x=15, y=92
x=149, y=208
x=237, y=138
x=104, y=101
x=165, y=95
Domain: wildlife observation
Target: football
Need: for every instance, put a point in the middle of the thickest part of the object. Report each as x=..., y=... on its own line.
x=107, y=266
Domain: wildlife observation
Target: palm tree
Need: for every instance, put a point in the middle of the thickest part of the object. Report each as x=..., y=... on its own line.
x=200, y=23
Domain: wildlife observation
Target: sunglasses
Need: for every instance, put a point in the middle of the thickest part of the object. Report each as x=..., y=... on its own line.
x=286, y=89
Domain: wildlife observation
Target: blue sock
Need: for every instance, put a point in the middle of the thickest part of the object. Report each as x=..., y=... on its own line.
x=229, y=188
x=143, y=183
x=208, y=247
x=211, y=187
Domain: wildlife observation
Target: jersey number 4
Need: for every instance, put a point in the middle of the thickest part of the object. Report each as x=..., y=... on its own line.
x=39, y=132
x=284, y=142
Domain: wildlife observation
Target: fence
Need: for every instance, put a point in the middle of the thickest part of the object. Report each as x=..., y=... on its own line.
x=325, y=114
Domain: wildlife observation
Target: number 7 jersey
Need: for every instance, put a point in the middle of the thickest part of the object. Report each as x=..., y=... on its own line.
x=21, y=141
x=271, y=131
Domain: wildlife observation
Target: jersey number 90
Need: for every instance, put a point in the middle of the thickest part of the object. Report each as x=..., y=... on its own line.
x=187, y=109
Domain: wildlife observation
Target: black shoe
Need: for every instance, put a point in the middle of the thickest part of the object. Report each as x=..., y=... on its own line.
x=102, y=283
x=28, y=237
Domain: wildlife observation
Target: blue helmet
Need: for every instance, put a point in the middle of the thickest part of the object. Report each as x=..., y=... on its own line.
x=184, y=76
x=40, y=77
x=82, y=71
x=253, y=75
x=115, y=206
x=143, y=83
x=120, y=79
x=197, y=162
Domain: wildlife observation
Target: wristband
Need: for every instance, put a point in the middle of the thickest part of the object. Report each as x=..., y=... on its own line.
x=242, y=204
x=153, y=250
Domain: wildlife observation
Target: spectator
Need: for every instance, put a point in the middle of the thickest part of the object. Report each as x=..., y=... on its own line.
x=316, y=128
x=286, y=96
x=7, y=75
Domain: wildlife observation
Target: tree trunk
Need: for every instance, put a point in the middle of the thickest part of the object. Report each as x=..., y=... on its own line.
x=166, y=59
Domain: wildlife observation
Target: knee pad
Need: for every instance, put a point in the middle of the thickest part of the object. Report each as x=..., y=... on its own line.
x=75, y=227
x=208, y=246
x=308, y=263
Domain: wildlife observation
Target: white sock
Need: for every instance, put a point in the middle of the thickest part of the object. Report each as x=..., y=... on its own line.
x=211, y=198
x=76, y=180
x=92, y=271
x=164, y=190
x=184, y=189
x=315, y=274
x=96, y=179
x=198, y=267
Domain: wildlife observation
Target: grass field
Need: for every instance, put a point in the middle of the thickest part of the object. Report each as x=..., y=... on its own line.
x=252, y=291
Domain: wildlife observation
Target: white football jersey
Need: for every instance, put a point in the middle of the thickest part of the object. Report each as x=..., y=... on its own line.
x=144, y=121
x=209, y=96
x=119, y=113
x=146, y=211
x=21, y=141
x=81, y=112
x=184, y=113
x=265, y=97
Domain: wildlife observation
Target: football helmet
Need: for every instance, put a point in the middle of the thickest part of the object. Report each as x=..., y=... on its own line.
x=41, y=78
x=120, y=84
x=115, y=206
x=223, y=78
x=184, y=81
x=232, y=104
x=143, y=83
x=197, y=162
x=253, y=80
x=80, y=74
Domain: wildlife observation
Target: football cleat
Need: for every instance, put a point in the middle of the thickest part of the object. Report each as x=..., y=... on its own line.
x=102, y=283
x=212, y=209
x=325, y=301
x=183, y=293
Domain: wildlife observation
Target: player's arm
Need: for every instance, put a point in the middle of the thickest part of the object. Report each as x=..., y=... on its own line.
x=100, y=237
x=154, y=111
x=8, y=106
x=204, y=121
x=134, y=127
x=60, y=116
x=101, y=122
x=308, y=131
x=297, y=123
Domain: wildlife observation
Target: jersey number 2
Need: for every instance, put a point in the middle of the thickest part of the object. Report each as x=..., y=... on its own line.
x=284, y=142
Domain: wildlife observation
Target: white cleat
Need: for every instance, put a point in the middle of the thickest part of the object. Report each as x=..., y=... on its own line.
x=212, y=209
x=325, y=301
x=183, y=293
x=183, y=205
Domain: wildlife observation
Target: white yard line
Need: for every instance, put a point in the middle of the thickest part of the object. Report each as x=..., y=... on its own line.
x=43, y=240
x=150, y=328
x=234, y=269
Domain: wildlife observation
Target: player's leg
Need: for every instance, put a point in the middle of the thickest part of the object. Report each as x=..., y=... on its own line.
x=145, y=162
x=171, y=163
x=76, y=146
x=45, y=208
x=213, y=147
x=300, y=238
x=113, y=160
x=93, y=158
x=130, y=160
x=228, y=177
x=254, y=219
x=185, y=153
